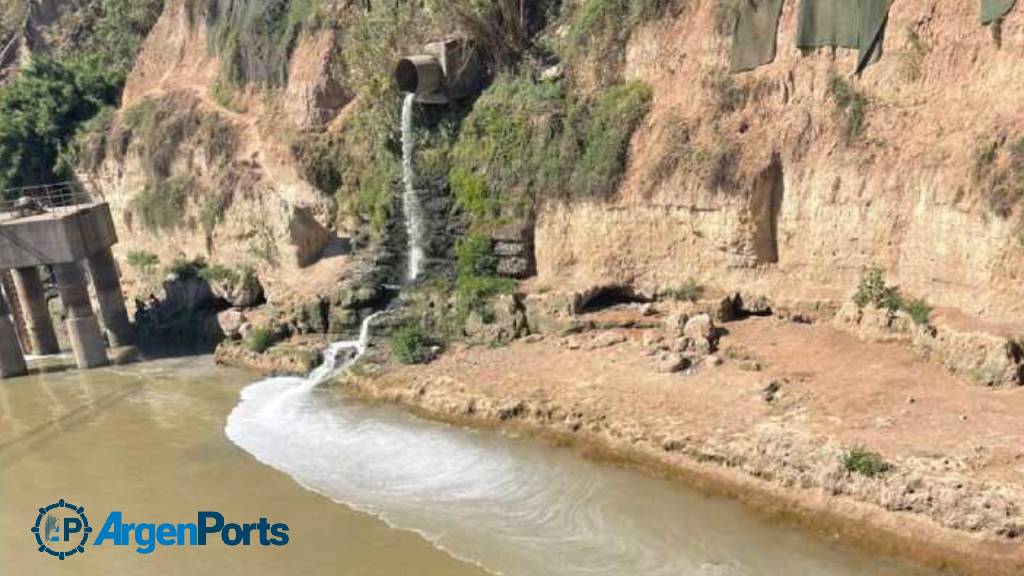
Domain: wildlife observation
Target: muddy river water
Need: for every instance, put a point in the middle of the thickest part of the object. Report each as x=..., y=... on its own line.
x=365, y=490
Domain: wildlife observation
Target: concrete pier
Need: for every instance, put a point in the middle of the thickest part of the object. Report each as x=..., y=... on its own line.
x=103, y=271
x=59, y=227
x=12, y=362
x=39, y=326
x=83, y=328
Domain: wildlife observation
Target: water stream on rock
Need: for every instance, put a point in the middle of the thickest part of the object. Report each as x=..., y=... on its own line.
x=410, y=200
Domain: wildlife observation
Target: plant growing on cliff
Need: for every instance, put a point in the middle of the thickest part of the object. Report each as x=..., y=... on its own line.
x=851, y=103
x=690, y=291
x=260, y=340
x=918, y=310
x=524, y=140
x=860, y=460
x=872, y=289
x=145, y=262
x=476, y=278
x=411, y=345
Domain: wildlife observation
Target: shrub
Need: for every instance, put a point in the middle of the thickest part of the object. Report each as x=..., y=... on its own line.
x=411, y=345
x=919, y=310
x=691, y=290
x=860, y=460
x=851, y=103
x=615, y=115
x=260, y=340
x=145, y=262
x=872, y=289
x=161, y=205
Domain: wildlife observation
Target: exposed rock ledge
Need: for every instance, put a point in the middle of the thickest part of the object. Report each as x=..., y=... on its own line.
x=767, y=420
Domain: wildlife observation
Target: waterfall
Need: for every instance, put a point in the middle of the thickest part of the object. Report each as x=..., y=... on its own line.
x=410, y=201
x=339, y=356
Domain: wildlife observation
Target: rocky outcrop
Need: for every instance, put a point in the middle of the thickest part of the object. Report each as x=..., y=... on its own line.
x=977, y=355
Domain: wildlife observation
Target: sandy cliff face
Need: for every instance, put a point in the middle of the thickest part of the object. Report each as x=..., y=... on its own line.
x=192, y=172
x=752, y=180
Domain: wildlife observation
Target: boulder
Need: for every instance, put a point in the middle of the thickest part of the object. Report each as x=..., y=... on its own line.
x=671, y=362
x=231, y=322
x=675, y=324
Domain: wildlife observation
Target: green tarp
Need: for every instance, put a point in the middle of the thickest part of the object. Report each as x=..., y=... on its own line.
x=992, y=10
x=754, y=38
x=858, y=24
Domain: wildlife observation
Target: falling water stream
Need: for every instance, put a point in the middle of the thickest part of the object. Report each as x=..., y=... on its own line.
x=410, y=200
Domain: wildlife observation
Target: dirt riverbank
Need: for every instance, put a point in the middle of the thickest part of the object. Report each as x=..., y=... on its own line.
x=771, y=419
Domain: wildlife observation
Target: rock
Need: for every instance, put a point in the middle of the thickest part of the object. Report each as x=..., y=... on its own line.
x=245, y=330
x=306, y=236
x=771, y=391
x=551, y=312
x=749, y=365
x=700, y=327
x=607, y=340
x=670, y=362
x=713, y=360
x=245, y=291
x=652, y=339
x=231, y=322
x=552, y=73
x=675, y=325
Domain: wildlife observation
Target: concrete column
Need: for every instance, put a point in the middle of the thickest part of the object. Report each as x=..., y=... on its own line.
x=14, y=307
x=12, y=362
x=83, y=329
x=105, y=280
x=38, y=323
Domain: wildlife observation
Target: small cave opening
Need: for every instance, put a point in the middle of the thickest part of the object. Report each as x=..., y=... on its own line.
x=766, y=207
x=608, y=297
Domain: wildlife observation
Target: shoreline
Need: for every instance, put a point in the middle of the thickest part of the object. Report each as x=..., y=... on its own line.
x=863, y=526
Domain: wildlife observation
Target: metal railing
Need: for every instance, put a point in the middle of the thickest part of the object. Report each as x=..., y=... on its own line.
x=61, y=197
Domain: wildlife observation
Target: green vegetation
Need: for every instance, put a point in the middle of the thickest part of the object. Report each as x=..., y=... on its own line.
x=873, y=290
x=476, y=279
x=411, y=345
x=690, y=290
x=860, y=460
x=851, y=103
x=524, y=139
x=260, y=340
x=162, y=205
x=145, y=262
x=918, y=310
x=604, y=27
x=255, y=38
x=43, y=109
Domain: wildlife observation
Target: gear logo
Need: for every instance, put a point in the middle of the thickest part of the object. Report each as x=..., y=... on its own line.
x=61, y=529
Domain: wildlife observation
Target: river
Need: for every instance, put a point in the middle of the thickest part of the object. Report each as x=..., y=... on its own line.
x=365, y=490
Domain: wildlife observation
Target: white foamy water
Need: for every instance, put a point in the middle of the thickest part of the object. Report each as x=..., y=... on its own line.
x=514, y=507
x=410, y=200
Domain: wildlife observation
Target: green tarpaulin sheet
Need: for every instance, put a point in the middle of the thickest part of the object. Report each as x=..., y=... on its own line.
x=858, y=24
x=754, y=38
x=992, y=10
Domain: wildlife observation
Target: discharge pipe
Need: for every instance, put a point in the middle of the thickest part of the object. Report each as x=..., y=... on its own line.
x=421, y=75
